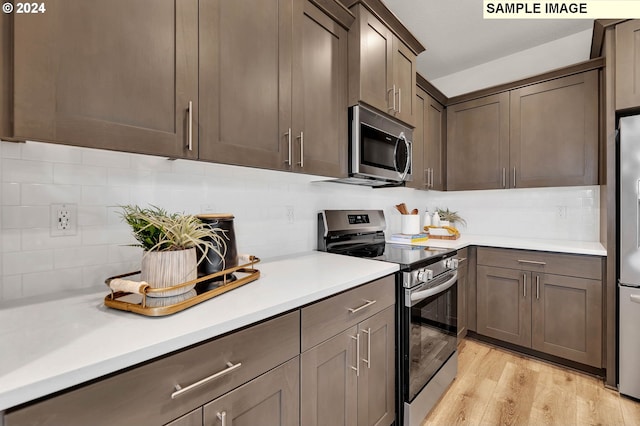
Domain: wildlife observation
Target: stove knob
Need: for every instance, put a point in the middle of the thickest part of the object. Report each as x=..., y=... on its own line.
x=425, y=275
x=421, y=275
x=451, y=263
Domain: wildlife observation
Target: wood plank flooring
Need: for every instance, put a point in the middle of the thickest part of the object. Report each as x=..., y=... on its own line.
x=497, y=387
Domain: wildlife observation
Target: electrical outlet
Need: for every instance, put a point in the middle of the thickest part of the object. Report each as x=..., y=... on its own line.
x=562, y=212
x=290, y=215
x=64, y=219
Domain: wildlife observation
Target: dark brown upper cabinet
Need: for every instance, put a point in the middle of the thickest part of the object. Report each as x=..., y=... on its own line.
x=273, y=78
x=478, y=143
x=116, y=75
x=382, y=67
x=554, y=133
x=627, y=64
x=428, y=143
x=539, y=135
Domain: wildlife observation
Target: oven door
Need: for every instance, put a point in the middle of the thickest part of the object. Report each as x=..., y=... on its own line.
x=432, y=329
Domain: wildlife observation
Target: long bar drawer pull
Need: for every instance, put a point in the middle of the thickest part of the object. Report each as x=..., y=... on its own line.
x=532, y=262
x=222, y=417
x=635, y=298
x=180, y=390
x=357, y=367
x=368, y=333
x=366, y=305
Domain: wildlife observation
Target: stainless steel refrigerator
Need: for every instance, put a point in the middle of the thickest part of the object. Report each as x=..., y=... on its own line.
x=629, y=257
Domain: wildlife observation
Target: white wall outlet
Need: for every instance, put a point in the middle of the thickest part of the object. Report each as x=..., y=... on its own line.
x=64, y=219
x=562, y=212
x=290, y=215
x=207, y=208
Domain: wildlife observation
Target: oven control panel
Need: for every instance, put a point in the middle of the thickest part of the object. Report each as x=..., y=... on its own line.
x=429, y=273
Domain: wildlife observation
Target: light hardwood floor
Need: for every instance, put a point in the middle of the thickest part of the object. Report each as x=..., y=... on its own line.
x=497, y=387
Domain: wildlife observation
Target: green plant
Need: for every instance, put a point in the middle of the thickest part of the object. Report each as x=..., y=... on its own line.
x=157, y=230
x=450, y=216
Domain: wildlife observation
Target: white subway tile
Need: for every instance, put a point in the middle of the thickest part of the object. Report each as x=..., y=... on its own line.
x=11, y=150
x=79, y=174
x=41, y=194
x=75, y=257
x=124, y=253
x=10, y=194
x=11, y=240
x=105, y=195
x=102, y=158
x=129, y=177
x=16, y=217
x=27, y=261
x=92, y=215
x=98, y=235
x=41, y=239
x=150, y=162
x=51, y=153
x=26, y=171
x=95, y=276
x=11, y=287
x=52, y=282
x=188, y=167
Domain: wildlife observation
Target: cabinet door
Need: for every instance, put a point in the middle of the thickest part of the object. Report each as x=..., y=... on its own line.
x=434, y=135
x=567, y=318
x=376, y=63
x=628, y=64
x=194, y=418
x=420, y=171
x=478, y=143
x=504, y=305
x=554, y=133
x=320, y=93
x=269, y=400
x=376, y=383
x=404, y=81
x=245, y=81
x=116, y=75
x=329, y=382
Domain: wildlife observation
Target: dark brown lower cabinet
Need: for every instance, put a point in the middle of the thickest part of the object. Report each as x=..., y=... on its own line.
x=193, y=418
x=349, y=378
x=463, y=274
x=269, y=400
x=555, y=314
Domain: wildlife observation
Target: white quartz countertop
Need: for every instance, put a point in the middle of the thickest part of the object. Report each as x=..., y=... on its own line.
x=560, y=246
x=51, y=345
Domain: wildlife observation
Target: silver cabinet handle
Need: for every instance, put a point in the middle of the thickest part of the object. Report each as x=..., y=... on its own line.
x=462, y=259
x=399, y=101
x=537, y=287
x=393, y=94
x=190, y=130
x=426, y=178
x=532, y=262
x=366, y=305
x=223, y=418
x=180, y=390
x=514, y=177
x=635, y=298
x=357, y=367
x=524, y=285
x=368, y=333
x=301, y=137
x=504, y=177
x=288, y=135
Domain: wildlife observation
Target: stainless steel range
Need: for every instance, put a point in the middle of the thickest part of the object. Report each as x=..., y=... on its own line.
x=426, y=305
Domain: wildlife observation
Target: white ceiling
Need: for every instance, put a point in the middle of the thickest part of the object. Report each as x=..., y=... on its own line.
x=457, y=37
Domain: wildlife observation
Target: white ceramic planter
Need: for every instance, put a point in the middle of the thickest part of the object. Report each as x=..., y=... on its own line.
x=161, y=269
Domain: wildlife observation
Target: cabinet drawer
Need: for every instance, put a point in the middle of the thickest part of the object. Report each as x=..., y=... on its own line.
x=573, y=265
x=143, y=395
x=329, y=317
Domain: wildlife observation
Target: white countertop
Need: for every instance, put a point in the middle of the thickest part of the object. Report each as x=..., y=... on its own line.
x=55, y=344
x=560, y=246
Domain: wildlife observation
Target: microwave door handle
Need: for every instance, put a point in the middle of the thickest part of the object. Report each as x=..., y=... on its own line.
x=408, y=148
x=424, y=294
x=395, y=156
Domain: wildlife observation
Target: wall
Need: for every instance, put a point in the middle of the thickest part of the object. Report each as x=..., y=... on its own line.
x=546, y=57
x=34, y=175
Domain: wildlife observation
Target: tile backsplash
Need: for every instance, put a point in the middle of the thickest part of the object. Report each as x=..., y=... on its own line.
x=36, y=175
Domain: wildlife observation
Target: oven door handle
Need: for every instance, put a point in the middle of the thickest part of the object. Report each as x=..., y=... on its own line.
x=423, y=294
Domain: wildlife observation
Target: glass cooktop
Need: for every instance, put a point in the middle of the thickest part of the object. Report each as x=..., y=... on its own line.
x=405, y=255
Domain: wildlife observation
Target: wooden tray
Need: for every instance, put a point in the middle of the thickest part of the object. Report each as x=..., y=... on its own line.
x=206, y=287
x=444, y=237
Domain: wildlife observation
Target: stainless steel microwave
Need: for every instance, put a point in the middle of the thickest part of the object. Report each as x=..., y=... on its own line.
x=379, y=149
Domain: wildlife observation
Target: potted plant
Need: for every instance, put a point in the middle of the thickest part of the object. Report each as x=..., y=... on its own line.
x=171, y=243
x=451, y=217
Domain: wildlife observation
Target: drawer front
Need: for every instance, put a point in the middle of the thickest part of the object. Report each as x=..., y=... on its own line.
x=329, y=317
x=143, y=395
x=573, y=265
